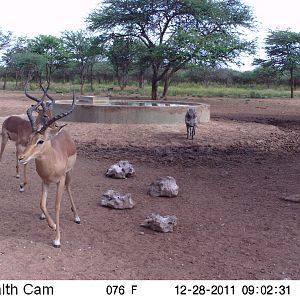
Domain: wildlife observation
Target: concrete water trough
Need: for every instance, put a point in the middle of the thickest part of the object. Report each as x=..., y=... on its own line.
x=102, y=110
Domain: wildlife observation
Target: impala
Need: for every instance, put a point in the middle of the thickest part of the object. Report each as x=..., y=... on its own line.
x=55, y=154
x=18, y=130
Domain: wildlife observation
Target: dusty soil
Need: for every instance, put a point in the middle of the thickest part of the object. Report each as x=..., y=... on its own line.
x=232, y=222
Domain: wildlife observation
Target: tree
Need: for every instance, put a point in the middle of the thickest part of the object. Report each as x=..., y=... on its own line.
x=265, y=75
x=82, y=49
x=5, y=39
x=283, y=53
x=96, y=53
x=53, y=50
x=29, y=64
x=20, y=61
x=175, y=32
x=121, y=55
x=18, y=45
x=142, y=62
x=103, y=71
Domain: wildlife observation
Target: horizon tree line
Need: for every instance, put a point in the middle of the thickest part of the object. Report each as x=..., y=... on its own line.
x=157, y=40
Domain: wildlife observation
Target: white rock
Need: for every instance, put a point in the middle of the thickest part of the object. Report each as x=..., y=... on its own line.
x=292, y=198
x=113, y=199
x=122, y=169
x=127, y=167
x=164, y=187
x=160, y=223
x=115, y=171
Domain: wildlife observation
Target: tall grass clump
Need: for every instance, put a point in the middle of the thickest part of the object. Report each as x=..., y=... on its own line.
x=233, y=91
x=175, y=89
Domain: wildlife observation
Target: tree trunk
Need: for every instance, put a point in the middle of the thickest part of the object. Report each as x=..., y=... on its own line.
x=81, y=82
x=166, y=86
x=92, y=79
x=292, y=82
x=154, y=90
x=64, y=76
x=82, y=77
x=5, y=80
x=123, y=79
x=81, y=88
x=48, y=74
x=16, y=79
x=141, y=79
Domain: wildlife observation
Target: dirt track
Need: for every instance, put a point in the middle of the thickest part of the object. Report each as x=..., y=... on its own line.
x=232, y=223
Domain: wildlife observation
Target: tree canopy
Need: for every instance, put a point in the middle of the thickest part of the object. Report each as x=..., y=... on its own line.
x=5, y=38
x=283, y=53
x=176, y=32
x=52, y=49
x=81, y=48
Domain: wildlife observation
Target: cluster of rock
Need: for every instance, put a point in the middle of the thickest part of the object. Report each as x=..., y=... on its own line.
x=161, y=187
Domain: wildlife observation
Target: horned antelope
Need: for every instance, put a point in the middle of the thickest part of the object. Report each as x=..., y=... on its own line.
x=191, y=123
x=18, y=130
x=55, y=154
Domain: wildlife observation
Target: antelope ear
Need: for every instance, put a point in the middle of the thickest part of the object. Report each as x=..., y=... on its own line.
x=61, y=127
x=56, y=130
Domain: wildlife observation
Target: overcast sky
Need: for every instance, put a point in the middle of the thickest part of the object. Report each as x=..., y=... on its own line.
x=272, y=15
x=33, y=17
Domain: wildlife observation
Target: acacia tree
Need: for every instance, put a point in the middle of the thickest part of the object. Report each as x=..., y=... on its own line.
x=266, y=75
x=175, y=32
x=29, y=65
x=54, y=51
x=82, y=49
x=283, y=53
x=23, y=62
x=142, y=62
x=122, y=54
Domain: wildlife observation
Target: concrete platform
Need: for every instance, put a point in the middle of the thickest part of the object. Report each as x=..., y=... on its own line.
x=92, y=100
x=132, y=112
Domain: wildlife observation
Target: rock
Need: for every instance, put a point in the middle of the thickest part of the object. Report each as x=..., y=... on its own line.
x=164, y=187
x=113, y=199
x=115, y=171
x=292, y=198
x=127, y=167
x=160, y=223
x=122, y=169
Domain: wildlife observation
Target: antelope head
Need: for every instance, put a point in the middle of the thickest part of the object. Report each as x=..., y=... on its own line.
x=46, y=110
x=40, y=139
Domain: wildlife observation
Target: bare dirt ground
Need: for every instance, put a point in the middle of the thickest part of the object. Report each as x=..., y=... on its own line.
x=232, y=223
